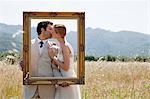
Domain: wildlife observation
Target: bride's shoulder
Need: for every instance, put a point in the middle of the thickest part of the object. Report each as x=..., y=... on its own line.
x=69, y=46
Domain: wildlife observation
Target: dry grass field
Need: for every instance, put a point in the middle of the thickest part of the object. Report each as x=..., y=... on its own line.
x=104, y=80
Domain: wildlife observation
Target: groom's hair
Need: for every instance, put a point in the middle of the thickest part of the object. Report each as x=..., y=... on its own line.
x=42, y=24
x=61, y=29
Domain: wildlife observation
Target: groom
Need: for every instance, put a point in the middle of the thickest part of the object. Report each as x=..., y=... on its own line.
x=41, y=64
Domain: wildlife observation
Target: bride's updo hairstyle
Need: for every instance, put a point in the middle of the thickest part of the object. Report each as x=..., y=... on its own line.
x=60, y=28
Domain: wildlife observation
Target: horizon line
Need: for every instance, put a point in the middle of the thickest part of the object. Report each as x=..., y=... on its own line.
x=91, y=28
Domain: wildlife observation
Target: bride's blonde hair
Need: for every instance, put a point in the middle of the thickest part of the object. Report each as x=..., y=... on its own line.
x=61, y=29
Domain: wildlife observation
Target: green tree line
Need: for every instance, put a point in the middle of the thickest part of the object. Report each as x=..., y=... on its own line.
x=112, y=58
x=118, y=58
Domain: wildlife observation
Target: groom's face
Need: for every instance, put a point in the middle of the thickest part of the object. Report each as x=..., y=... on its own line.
x=48, y=31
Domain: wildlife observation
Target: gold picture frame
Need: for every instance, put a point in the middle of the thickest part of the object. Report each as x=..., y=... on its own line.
x=80, y=16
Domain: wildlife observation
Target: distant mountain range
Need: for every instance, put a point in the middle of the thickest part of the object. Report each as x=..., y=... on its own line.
x=97, y=41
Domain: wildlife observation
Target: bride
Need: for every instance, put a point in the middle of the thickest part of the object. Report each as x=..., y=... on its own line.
x=64, y=60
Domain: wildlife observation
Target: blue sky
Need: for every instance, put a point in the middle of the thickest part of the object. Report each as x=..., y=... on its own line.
x=114, y=15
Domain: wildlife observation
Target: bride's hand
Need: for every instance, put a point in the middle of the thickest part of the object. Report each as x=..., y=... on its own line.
x=51, y=53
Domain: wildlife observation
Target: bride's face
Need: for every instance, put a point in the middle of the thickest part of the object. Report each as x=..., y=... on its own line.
x=55, y=35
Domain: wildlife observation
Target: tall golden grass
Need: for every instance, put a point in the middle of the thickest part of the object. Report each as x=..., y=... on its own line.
x=117, y=80
x=103, y=80
x=10, y=81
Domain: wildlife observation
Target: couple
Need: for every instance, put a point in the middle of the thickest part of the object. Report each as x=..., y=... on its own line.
x=51, y=59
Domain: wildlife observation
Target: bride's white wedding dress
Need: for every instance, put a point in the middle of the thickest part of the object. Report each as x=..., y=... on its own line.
x=71, y=91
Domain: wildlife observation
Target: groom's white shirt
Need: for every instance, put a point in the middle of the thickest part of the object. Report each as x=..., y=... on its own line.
x=40, y=66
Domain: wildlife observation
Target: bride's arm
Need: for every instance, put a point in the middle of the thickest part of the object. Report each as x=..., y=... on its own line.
x=66, y=56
